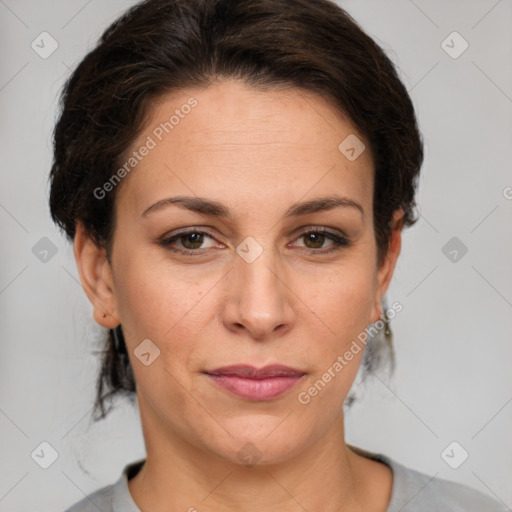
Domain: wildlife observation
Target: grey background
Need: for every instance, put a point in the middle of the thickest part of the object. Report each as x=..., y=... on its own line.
x=453, y=378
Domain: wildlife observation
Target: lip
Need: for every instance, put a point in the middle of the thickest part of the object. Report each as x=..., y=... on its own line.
x=247, y=371
x=253, y=383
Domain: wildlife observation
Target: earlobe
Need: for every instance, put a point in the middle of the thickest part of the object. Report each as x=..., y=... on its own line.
x=386, y=270
x=96, y=277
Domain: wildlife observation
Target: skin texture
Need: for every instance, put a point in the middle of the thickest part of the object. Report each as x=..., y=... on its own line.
x=258, y=152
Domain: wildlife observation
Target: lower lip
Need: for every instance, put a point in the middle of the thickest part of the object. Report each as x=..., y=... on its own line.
x=255, y=389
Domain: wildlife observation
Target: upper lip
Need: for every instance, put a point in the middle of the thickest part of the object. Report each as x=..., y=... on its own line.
x=251, y=372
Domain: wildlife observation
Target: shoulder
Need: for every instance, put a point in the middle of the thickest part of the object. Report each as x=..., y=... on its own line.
x=98, y=500
x=111, y=498
x=414, y=491
x=418, y=492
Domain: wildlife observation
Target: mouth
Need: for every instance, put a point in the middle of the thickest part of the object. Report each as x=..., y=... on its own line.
x=252, y=383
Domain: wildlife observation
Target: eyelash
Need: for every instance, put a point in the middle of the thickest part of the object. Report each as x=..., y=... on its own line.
x=338, y=241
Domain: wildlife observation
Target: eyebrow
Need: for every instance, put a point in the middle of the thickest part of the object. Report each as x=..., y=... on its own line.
x=217, y=209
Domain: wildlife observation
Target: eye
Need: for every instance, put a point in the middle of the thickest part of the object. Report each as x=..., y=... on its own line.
x=189, y=242
x=318, y=236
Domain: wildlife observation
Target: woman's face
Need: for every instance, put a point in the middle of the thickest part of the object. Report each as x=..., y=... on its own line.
x=247, y=287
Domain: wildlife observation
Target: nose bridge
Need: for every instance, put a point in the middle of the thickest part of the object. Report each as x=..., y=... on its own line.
x=259, y=291
x=258, y=268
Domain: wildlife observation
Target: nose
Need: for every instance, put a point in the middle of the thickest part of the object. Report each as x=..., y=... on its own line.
x=259, y=299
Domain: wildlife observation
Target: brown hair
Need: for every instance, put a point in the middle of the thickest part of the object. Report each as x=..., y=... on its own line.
x=159, y=46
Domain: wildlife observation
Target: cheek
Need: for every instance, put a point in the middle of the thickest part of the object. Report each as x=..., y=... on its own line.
x=164, y=301
x=157, y=302
x=344, y=298
x=342, y=304
x=156, y=298
x=335, y=352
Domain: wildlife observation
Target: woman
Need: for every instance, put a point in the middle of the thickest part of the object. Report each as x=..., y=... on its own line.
x=235, y=177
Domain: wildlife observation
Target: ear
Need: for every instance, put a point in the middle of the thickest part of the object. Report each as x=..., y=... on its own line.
x=96, y=277
x=386, y=269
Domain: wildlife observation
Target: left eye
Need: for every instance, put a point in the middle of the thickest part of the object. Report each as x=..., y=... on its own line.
x=192, y=240
x=317, y=237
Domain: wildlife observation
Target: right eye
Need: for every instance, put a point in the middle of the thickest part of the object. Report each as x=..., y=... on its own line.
x=190, y=242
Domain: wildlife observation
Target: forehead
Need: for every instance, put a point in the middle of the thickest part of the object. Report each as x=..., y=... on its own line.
x=242, y=145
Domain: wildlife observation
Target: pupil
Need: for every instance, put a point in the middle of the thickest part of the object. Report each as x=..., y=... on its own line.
x=316, y=236
x=192, y=236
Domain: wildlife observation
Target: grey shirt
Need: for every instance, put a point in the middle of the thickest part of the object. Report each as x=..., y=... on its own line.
x=412, y=491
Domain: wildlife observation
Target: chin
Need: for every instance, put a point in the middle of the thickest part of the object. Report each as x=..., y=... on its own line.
x=256, y=442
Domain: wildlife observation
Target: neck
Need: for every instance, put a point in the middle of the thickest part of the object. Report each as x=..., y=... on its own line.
x=178, y=476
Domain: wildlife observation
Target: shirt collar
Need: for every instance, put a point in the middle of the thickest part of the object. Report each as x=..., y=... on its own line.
x=122, y=500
